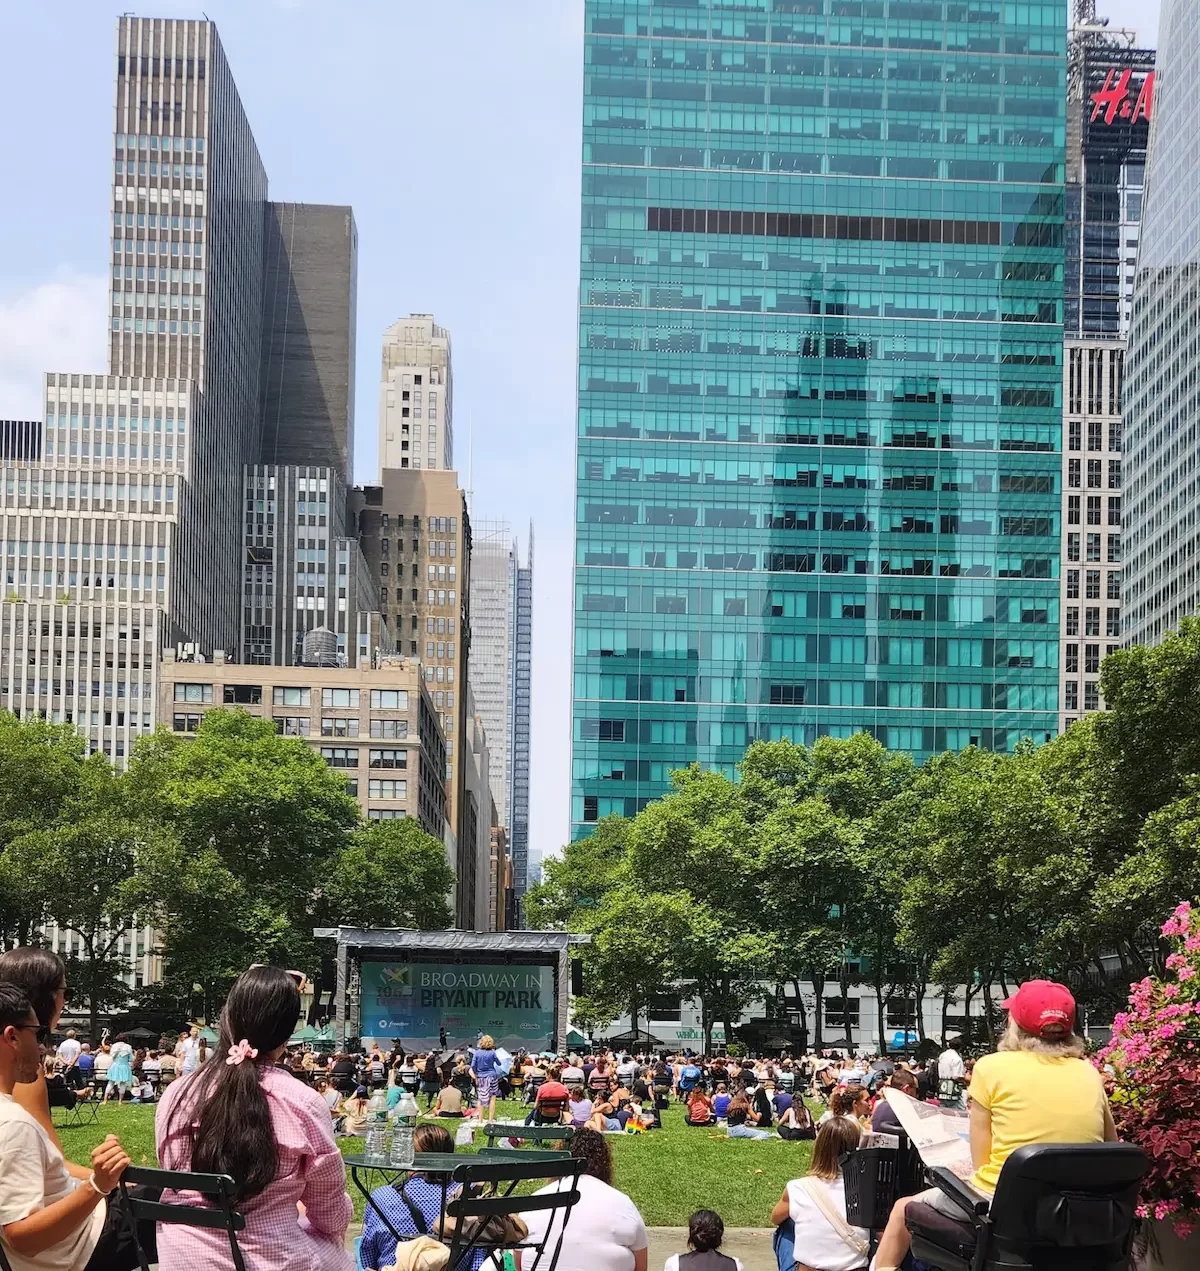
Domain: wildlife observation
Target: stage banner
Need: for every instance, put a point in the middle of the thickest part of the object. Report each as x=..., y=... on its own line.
x=416, y=1000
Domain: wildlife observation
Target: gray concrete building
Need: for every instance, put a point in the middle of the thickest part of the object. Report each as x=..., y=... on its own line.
x=1162, y=382
x=522, y=699
x=309, y=302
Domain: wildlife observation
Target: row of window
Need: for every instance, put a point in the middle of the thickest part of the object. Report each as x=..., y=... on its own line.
x=435, y=524
x=1091, y=695
x=1093, y=547
x=348, y=757
x=285, y=695
x=1092, y=584
x=174, y=171
x=157, y=247
x=62, y=418
x=1095, y=474
x=1094, y=508
x=154, y=220
x=179, y=145
x=1091, y=658
x=301, y=726
x=1091, y=621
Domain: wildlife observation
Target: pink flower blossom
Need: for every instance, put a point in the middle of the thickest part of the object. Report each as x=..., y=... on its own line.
x=1186, y=972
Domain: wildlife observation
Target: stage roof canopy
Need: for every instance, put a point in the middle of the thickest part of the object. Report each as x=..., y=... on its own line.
x=406, y=938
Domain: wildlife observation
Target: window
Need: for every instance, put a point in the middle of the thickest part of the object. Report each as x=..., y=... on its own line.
x=1091, y=624
x=243, y=694
x=1072, y=584
x=389, y=699
x=384, y=789
x=840, y=1011
x=335, y=727
x=287, y=696
x=1114, y=510
x=1112, y=619
x=293, y=725
x=389, y=758
x=339, y=697
x=1072, y=659
x=1114, y=585
x=1093, y=547
x=1093, y=509
x=339, y=756
x=389, y=728
x=1071, y=695
x=1073, y=474
x=1091, y=659
x=1091, y=696
x=186, y=723
x=1072, y=620
x=665, y=1008
x=1095, y=477
x=193, y=692
x=1072, y=509
x=1093, y=584
x=1095, y=435
x=1073, y=546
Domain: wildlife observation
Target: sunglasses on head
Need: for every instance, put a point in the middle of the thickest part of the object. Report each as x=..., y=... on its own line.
x=299, y=976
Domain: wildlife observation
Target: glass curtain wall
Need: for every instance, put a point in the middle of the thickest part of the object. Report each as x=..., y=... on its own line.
x=820, y=367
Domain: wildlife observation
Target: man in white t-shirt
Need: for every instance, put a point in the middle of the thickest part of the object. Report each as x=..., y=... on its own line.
x=50, y=1220
x=68, y=1051
x=952, y=1074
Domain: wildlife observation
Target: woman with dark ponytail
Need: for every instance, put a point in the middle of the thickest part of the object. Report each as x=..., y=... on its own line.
x=243, y=1116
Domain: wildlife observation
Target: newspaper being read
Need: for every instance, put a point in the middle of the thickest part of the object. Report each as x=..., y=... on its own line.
x=941, y=1135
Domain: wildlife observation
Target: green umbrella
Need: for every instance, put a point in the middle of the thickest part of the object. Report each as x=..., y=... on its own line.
x=306, y=1034
x=575, y=1038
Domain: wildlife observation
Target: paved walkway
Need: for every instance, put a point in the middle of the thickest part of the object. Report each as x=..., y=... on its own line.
x=751, y=1244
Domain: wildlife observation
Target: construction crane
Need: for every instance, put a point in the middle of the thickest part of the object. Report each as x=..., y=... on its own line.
x=1090, y=32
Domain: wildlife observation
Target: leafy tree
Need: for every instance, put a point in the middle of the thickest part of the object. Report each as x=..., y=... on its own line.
x=579, y=879
x=391, y=874
x=83, y=866
x=41, y=768
x=255, y=823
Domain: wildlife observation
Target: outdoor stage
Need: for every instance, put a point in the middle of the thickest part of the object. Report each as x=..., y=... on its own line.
x=411, y=985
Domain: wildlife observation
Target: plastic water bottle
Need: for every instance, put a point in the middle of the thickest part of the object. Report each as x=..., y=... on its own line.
x=377, y=1110
x=402, y=1131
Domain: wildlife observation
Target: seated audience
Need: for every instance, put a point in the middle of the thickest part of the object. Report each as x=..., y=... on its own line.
x=551, y=1101
x=811, y=1213
x=884, y=1119
x=797, y=1122
x=449, y=1103
x=579, y=1106
x=1036, y=1088
x=763, y=1107
x=705, y=1233
x=241, y=1115
x=354, y=1113
x=699, y=1108
x=854, y=1104
x=742, y=1120
x=606, y=1232
x=721, y=1101
x=412, y=1207
x=50, y=1219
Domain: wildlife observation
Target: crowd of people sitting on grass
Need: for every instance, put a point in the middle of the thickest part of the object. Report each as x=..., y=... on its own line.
x=241, y=1113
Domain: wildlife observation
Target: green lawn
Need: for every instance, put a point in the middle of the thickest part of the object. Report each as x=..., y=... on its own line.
x=668, y=1173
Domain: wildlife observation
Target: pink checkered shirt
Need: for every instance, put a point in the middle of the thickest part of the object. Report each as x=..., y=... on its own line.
x=310, y=1170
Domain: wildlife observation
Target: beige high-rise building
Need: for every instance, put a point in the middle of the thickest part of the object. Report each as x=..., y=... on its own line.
x=415, y=536
x=416, y=396
x=376, y=723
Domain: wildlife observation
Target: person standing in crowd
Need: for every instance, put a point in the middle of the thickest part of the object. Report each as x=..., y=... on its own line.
x=242, y=1115
x=68, y=1054
x=188, y=1051
x=606, y=1231
x=705, y=1233
x=53, y=1215
x=951, y=1078
x=431, y=1082
x=485, y=1065
x=1037, y=1088
x=810, y=1216
x=120, y=1069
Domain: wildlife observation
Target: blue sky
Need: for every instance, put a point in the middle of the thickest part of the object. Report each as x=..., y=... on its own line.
x=452, y=128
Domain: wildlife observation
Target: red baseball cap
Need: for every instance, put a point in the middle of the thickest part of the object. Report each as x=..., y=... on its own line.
x=1043, y=1007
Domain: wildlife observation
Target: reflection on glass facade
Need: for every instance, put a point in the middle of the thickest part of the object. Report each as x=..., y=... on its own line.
x=820, y=376
x=1162, y=387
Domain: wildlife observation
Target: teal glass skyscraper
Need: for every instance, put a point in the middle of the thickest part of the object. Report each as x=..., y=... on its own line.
x=820, y=367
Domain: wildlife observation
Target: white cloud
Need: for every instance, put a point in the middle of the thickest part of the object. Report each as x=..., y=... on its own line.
x=54, y=326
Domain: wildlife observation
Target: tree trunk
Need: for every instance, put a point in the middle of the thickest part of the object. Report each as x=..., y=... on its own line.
x=946, y=995
x=818, y=983
x=879, y=1018
x=844, y=981
x=803, y=1016
x=987, y=1010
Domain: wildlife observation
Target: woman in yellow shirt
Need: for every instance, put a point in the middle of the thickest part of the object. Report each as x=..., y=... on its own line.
x=1036, y=1088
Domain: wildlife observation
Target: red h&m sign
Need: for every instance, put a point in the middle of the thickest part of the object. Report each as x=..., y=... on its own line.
x=1116, y=103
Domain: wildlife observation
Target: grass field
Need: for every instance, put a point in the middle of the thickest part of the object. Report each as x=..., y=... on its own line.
x=668, y=1173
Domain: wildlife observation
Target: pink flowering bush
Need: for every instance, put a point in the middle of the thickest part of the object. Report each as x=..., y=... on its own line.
x=1154, y=1056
